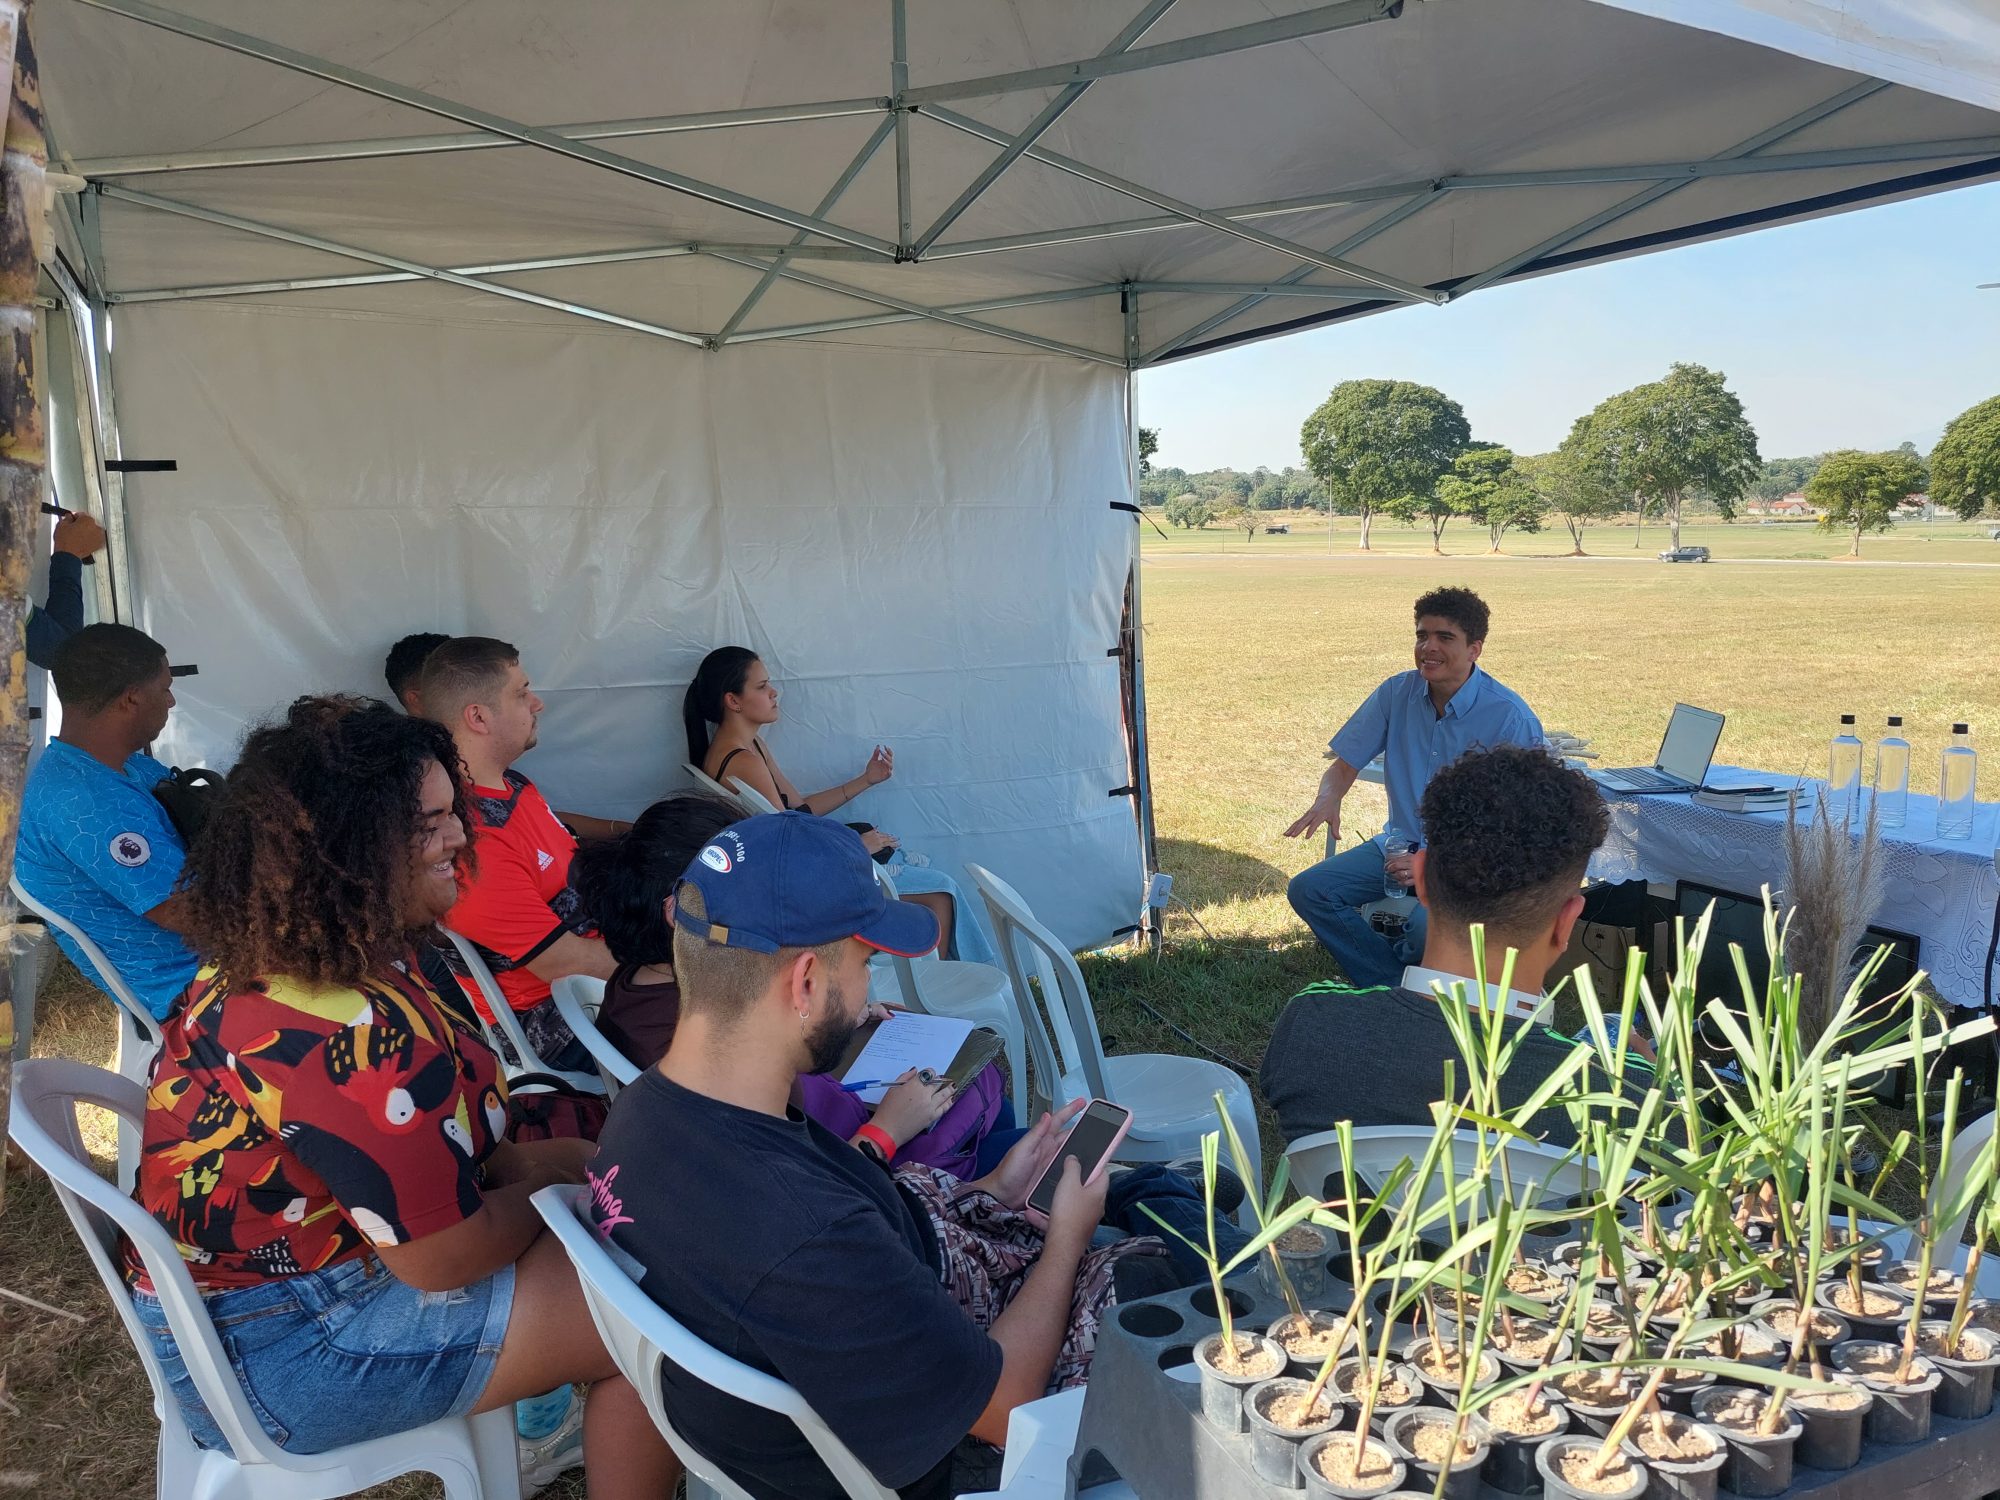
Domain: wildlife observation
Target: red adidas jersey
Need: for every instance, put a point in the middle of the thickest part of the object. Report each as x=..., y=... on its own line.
x=519, y=900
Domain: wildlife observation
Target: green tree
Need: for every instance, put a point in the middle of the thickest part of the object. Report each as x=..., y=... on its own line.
x=1570, y=486
x=1965, y=465
x=1270, y=495
x=1189, y=510
x=1432, y=509
x=1779, y=477
x=1373, y=443
x=1859, y=491
x=1149, y=444
x=1485, y=486
x=1677, y=437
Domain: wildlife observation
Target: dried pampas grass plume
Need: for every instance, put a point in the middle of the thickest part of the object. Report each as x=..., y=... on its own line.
x=1834, y=886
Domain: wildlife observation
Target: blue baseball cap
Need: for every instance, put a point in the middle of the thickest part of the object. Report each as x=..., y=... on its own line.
x=793, y=880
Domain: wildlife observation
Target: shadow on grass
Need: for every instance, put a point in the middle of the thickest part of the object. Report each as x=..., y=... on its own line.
x=1204, y=873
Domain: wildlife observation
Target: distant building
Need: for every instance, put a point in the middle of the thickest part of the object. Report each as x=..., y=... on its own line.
x=1794, y=504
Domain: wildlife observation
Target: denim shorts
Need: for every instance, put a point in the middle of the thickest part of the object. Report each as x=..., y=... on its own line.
x=343, y=1355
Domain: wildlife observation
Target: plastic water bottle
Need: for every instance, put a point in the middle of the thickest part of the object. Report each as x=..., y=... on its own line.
x=1892, y=775
x=538, y=1417
x=1958, y=781
x=1843, y=771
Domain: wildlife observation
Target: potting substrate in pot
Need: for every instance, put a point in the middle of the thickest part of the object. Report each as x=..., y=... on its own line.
x=1902, y=1411
x=1308, y=1338
x=1684, y=1456
x=1280, y=1420
x=1423, y=1438
x=1227, y=1373
x=1759, y=1463
x=1965, y=1375
x=1516, y=1429
x=1571, y=1470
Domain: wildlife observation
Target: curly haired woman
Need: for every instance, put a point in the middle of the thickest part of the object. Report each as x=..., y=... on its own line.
x=324, y=1136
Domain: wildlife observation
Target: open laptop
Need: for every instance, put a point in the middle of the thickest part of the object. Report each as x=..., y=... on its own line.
x=1685, y=753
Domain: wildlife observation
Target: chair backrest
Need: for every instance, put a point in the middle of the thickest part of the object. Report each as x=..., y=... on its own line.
x=907, y=982
x=639, y=1333
x=1538, y=1174
x=707, y=782
x=1062, y=1029
x=44, y=1125
x=107, y=976
x=577, y=997
x=753, y=800
x=527, y=1059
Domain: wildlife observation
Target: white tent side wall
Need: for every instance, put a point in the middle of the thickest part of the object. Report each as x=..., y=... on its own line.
x=921, y=545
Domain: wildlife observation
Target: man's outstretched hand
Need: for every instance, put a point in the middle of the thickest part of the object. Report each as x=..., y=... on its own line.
x=1322, y=814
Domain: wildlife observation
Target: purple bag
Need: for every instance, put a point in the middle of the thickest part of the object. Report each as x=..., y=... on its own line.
x=951, y=1145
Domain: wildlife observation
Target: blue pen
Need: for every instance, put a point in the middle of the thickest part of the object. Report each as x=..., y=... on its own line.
x=866, y=1083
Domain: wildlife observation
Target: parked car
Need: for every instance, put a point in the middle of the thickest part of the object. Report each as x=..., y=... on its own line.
x=1685, y=554
x=1278, y=530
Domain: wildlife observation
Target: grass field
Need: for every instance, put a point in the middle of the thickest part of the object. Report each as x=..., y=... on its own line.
x=1750, y=539
x=1254, y=657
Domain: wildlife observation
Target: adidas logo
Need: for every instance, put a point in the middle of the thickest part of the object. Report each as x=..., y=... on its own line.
x=543, y=859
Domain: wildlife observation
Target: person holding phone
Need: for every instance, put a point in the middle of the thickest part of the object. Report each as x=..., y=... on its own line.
x=778, y=1243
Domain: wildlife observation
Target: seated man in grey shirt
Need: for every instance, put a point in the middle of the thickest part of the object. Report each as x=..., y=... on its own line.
x=1508, y=833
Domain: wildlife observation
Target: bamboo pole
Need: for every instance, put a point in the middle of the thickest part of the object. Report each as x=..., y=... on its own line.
x=23, y=453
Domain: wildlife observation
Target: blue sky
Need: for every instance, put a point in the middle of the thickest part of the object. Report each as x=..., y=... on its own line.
x=1855, y=331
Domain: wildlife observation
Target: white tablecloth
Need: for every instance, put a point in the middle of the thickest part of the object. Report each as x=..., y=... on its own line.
x=1943, y=892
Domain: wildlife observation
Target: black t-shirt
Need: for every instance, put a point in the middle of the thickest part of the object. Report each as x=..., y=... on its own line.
x=784, y=1247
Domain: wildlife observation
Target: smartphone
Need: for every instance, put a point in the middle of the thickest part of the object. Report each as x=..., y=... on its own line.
x=1093, y=1136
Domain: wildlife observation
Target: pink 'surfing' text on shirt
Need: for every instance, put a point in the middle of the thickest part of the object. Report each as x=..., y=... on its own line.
x=610, y=1207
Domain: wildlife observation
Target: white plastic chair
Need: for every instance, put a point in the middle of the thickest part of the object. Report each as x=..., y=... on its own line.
x=138, y=1032
x=528, y=1059
x=753, y=800
x=476, y=1457
x=577, y=998
x=978, y=993
x=1171, y=1097
x=640, y=1333
x=1539, y=1174
x=709, y=784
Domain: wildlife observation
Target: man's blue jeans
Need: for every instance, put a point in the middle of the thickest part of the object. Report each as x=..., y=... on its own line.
x=1329, y=897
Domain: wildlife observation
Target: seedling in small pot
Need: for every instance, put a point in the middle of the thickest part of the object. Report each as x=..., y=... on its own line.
x=1234, y=1363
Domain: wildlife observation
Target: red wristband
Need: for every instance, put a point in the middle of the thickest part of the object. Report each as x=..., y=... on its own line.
x=879, y=1138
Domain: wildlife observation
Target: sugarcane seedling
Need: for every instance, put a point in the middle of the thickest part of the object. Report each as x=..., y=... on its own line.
x=1822, y=1146
x=1211, y=1257
x=1351, y=1217
x=1266, y=1209
x=1961, y=1310
x=1932, y=1215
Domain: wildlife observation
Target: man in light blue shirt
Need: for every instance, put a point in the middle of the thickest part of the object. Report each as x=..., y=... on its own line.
x=1419, y=722
x=96, y=845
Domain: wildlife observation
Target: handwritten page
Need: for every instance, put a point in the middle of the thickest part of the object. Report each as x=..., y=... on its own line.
x=907, y=1040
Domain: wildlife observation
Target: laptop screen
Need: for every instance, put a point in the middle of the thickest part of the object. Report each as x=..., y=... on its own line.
x=1692, y=735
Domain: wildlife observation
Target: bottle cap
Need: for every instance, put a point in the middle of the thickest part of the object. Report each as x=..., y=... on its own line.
x=1895, y=721
x=1961, y=729
x=1847, y=718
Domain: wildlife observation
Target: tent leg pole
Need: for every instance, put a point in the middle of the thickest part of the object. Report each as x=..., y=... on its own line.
x=1135, y=658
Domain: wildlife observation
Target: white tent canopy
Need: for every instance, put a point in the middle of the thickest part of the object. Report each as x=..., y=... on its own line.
x=819, y=337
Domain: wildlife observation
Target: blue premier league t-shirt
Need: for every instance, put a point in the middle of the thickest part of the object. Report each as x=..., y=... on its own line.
x=99, y=850
x=1398, y=723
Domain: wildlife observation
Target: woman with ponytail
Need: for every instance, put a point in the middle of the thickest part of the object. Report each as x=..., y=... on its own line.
x=733, y=692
